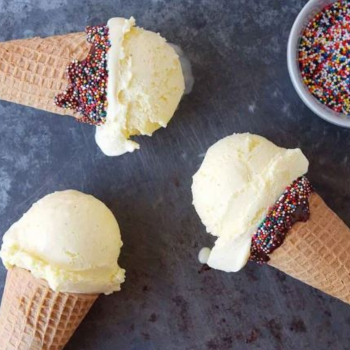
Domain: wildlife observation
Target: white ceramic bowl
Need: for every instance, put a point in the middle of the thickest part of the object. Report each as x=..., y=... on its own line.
x=305, y=15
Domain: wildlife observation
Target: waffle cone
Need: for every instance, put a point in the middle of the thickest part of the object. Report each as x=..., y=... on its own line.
x=33, y=317
x=317, y=252
x=33, y=71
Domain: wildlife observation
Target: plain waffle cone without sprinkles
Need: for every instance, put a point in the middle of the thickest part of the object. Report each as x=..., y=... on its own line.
x=61, y=255
x=33, y=316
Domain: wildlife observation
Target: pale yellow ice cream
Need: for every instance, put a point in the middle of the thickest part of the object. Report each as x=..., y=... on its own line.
x=145, y=85
x=241, y=177
x=70, y=239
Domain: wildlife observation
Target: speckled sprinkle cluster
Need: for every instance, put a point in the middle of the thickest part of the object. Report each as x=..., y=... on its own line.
x=324, y=56
x=87, y=89
x=291, y=207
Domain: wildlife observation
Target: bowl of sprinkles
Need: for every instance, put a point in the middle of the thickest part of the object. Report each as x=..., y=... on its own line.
x=319, y=59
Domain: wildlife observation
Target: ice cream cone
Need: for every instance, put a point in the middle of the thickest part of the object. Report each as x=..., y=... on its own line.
x=33, y=71
x=118, y=70
x=317, y=252
x=33, y=317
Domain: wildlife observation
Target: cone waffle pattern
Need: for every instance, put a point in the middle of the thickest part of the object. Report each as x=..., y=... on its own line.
x=318, y=252
x=33, y=71
x=33, y=317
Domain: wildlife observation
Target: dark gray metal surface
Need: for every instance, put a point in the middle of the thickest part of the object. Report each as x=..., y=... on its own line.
x=238, y=52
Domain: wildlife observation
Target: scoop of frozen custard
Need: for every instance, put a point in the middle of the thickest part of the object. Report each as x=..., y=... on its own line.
x=241, y=177
x=71, y=240
x=144, y=88
x=130, y=84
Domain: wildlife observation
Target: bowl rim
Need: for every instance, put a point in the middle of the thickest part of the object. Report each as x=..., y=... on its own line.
x=317, y=107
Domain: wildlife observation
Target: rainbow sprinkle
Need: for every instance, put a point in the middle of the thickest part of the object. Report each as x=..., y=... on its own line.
x=324, y=56
x=291, y=207
x=87, y=90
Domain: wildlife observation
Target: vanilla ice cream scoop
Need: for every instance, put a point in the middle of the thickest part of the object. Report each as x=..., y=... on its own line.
x=130, y=83
x=71, y=240
x=241, y=177
x=144, y=88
